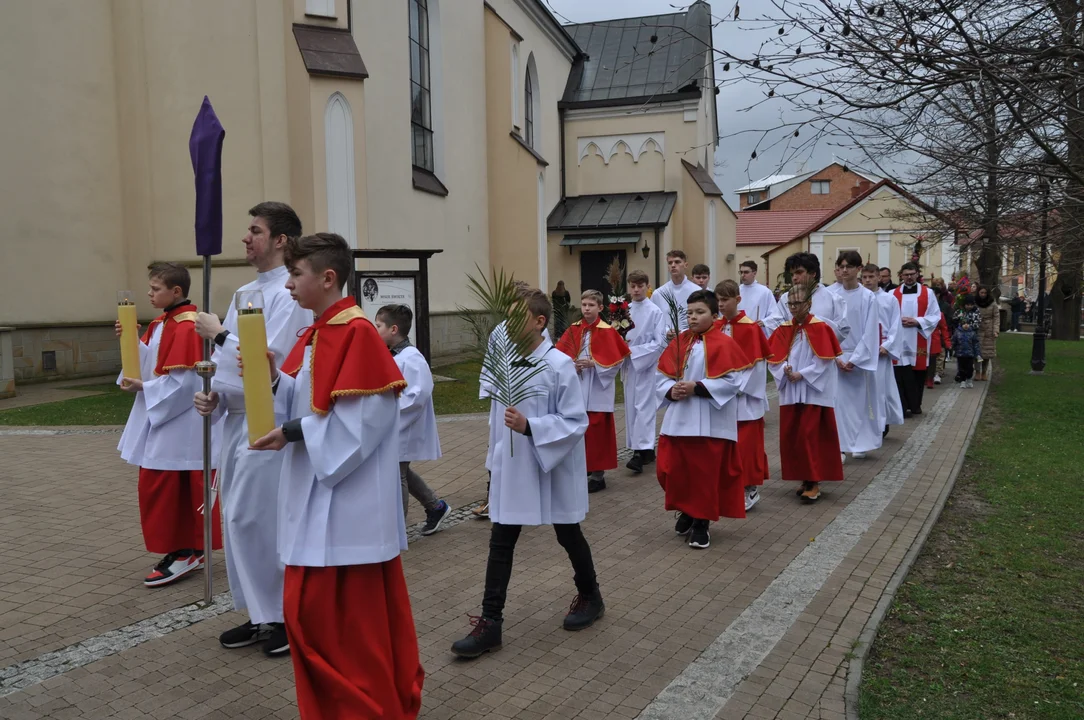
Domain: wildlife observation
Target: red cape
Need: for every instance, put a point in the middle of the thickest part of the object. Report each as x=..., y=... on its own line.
x=607, y=347
x=748, y=335
x=819, y=334
x=179, y=348
x=348, y=357
x=722, y=355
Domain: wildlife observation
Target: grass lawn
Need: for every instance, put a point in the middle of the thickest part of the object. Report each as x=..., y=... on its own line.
x=112, y=405
x=990, y=621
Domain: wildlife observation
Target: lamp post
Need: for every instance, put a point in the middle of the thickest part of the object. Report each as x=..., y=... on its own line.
x=1038, y=341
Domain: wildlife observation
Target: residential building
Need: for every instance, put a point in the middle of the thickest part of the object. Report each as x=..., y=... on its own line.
x=824, y=189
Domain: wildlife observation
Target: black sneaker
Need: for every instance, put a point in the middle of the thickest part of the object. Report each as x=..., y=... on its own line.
x=635, y=463
x=584, y=612
x=684, y=524
x=699, y=537
x=278, y=643
x=648, y=456
x=595, y=483
x=434, y=517
x=485, y=637
x=244, y=635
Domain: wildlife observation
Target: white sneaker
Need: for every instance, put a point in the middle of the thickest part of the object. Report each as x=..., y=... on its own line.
x=858, y=455
x=752, y=497
x=936, y=379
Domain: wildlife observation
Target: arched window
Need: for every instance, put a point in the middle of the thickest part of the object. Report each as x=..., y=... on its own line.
x=531, y=105
x=342, y=214
x=421, y=111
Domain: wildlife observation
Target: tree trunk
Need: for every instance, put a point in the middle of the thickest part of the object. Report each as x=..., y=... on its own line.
x=1065, y=303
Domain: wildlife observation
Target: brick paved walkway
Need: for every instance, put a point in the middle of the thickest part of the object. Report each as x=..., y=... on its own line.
x=760, y=625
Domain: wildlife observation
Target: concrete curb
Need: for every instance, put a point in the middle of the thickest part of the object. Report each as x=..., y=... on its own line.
x=869, y=632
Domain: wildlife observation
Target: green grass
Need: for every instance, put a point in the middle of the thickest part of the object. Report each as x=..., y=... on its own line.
x=112, y=405
x=990, y=621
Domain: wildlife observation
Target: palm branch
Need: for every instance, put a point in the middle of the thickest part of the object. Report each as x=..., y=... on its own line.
x=501, y=339
x=675, y=322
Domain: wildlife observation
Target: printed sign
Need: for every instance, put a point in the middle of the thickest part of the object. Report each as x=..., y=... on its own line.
x=374, y=290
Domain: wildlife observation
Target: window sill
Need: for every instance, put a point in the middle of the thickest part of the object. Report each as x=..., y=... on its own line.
x=523, y=144
x=428, y=182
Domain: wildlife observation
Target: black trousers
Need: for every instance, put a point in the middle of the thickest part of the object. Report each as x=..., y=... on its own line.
x=966, y=367
x=911, y=384
x=502, y=546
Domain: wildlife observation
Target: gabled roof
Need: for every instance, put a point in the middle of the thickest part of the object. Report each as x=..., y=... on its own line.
x=624, y=66
x=764, y=183
x=606, y=212
x=774, y=227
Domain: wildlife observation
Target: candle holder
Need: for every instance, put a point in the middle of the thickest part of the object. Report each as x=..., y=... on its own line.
x=252, y=343
x=129, y=334
x=248, y=302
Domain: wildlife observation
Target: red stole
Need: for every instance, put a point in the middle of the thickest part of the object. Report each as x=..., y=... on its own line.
x=607, y=347
x=923, y=344
x=748, y=335
x=348, y=357
x=818, y=334
x=180, y=347
x=722, y=355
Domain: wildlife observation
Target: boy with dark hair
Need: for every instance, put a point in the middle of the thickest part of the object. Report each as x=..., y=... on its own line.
x=418, y=438
x=646, y=341
x=753, y=398
x=341, y=525
x=700, y=374
x=701, y=275
x=757, y=301
x=805, y=272
x=538, y=458
x=164, y=434
x=803, y=364
x=598, y=351
x=678, y=289
x=247, y=479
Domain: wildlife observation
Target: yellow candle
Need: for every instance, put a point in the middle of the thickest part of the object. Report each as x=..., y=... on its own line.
x=129, y=335
x=259, y=403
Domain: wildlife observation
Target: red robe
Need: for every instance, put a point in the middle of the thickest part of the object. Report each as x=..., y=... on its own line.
x=352, y=637
x=171, y=501
x=608, y=349
x=754, y=458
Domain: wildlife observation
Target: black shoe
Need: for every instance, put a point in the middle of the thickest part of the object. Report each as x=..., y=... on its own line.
x=906, y=413
x=917, y=412
x=485, y=637
x=684, y=524
x=278, y=643
x=699, y=537
x=434, y=517
x=584, y=612
x=244, y=635
x=595, y=484
x=648, y=456
x=636, y=463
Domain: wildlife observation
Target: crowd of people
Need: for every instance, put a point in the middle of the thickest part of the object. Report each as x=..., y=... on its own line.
x=313, y=514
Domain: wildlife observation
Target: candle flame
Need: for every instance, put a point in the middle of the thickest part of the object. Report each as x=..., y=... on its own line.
x=250, y=306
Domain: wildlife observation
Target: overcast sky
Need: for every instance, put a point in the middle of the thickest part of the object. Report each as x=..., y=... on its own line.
x=733, y=153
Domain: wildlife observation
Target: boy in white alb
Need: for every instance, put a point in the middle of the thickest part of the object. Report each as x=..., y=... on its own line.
x=757, y=301
x=859, y=410
x=646, y=341
x=248, y=480
x=678, y=289
x=418, y=439
x=889, y=333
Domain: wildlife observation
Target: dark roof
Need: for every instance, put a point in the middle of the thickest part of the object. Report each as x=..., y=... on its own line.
x=625, y=210
x=329, y=51
x=623, y=64
x=703, y=178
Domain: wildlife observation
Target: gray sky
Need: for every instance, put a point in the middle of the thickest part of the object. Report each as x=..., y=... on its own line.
x=733, y=153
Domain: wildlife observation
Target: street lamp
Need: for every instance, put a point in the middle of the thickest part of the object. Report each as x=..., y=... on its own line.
x=1038, y=340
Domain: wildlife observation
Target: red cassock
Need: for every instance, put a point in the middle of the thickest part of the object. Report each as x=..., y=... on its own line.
x=808, y=440
x=754, y=458
x=352, y=638
x=607, y=349
x=702, y=476
x=171, y=501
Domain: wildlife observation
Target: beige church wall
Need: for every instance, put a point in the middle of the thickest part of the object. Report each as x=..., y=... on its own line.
x=726, y=243
x=623, y=173
x=398, y=215
x=690, y=217
x=754, y=253
x=60, y=190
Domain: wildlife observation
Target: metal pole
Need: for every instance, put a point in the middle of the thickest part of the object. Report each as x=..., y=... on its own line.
x=206, y=369
x=1038, y=340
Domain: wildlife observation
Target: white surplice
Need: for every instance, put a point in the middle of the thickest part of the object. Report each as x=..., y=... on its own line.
x=753, y=398
x=695, y=416
x=485, y=390
x=164, y=431
x=541, y=478
x=926, y=324
x=827, y=306
x=646, y=342
x=818, y=383
x=860, y=417
x=248, y=479
x=596, y=381
x=887, y=389
x=758, y=302
x=340, y=501
x=418, y=439
x=680, y=294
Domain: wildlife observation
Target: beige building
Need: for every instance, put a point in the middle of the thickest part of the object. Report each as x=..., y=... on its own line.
x=466, y=126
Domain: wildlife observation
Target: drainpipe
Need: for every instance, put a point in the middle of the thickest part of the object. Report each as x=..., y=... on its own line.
x=561, y=129
x=657, y=271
